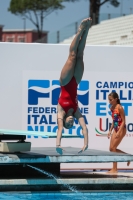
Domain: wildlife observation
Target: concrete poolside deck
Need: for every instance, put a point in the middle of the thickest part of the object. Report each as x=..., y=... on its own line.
x=79, y=180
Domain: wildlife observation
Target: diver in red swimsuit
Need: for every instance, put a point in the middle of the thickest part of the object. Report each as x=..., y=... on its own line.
x=70, y=77
x=118, y=124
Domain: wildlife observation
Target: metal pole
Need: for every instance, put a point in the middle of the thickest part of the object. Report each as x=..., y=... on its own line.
x=109, y=16
x=58, y=36
x=121, y=7
x=131, y=10
x=24, y=27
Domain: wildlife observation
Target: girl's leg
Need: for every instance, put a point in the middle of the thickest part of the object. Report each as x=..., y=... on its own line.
x=115, y=141
x=68, y=69
x=113, y=147
x=79, y=66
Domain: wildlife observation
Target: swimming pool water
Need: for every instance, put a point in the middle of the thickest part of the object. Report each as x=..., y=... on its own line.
x=66, y=196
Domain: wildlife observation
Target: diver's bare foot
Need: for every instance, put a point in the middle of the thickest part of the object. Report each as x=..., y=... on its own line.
x=112, y=171
x=128, y=163
x=84, y=23
x=89, y=21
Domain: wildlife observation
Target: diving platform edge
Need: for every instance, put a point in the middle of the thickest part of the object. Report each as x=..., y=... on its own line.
x=69, y=155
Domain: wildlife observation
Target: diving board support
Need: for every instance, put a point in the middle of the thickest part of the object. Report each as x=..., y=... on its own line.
x=21, y=145
x=36, y=133
x=15, y=146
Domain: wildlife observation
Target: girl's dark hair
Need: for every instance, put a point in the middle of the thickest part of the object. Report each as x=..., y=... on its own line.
x=64, y=123
x=115, y=95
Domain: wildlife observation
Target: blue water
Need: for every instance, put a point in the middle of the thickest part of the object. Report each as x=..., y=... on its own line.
x=66, y=196
x=73, y=193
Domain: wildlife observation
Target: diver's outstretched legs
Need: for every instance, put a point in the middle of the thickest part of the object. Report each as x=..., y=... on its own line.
x=79, y=66
x=69, y=67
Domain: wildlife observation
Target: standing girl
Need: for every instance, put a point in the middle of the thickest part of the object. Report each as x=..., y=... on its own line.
x=118, y=126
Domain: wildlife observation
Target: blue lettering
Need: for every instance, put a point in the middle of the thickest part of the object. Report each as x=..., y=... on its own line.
x=109, y=112
x=49, y=128
x=104, y=94
x=113, y=90
x=43, y=120
x=121, y=95
x=53, y=110
x=99, y=109
x=41, y=110
x=98, y=84
x=85, y=110
x=126, y=105
x=130, y=85
x=29, y=109
x=129, y=95
x=70, y=131
x=35, y=110
x=125, y=84
x=31, y=129
x=97, y=94
x=113, y=84
x=35, y=118
x=55, y=129
x=47, y=110
x=130, y=127
x=120, y=84
x=50, y=120
x=29, y=119
x=106, y=85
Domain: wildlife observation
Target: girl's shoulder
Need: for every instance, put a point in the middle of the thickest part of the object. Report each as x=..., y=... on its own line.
x=118, y=109
x=119, y=106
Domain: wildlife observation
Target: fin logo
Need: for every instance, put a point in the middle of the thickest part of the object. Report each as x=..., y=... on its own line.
x=83, y=92
x=37, y=89
x=51, y=90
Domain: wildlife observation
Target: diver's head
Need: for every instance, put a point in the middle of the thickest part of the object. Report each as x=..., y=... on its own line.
x=68, y=122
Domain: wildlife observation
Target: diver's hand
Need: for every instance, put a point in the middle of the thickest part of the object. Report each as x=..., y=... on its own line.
x=85, y=147
x=59, y=149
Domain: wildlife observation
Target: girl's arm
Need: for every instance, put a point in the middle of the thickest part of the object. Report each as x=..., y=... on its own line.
x=60, y=125
x=122, y=114
x=111, y=128
x=81, y=121
x=110, y=131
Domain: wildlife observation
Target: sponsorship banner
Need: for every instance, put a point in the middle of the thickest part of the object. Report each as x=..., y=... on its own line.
x=101, y=85
x=40, y=98
x=41, y=91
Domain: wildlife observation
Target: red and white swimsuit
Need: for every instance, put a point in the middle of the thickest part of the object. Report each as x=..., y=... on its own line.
x=68, y=97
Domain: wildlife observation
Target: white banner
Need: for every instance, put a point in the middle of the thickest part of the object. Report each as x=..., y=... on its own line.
x=101, y=85
x=29, y=86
